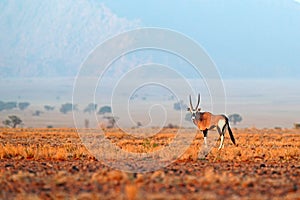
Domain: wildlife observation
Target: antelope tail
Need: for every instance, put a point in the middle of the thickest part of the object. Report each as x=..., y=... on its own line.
x=230, y=131
x=231, y=134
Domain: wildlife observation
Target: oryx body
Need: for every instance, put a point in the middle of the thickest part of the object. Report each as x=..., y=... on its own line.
x=206, y=121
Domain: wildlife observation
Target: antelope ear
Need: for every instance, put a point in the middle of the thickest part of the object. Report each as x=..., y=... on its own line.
x=199, y=109
x=188, y=109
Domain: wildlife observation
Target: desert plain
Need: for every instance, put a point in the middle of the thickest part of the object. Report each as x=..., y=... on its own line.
x=53, y=163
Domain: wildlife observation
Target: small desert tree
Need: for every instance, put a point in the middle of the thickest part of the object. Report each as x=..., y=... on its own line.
x=8, y=105
x=90, y=108
x=139, y=124
x=86, y=123
x=111, y=121
x=37, y=113
x=67, y=107
x=23, y=105
x=235, y=118
x=12, y=121
x=48, y=108
x=2, y=105
x=180, y=105
x=104, y=109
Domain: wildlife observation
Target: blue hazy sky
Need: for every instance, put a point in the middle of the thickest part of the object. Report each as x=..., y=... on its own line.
x=253, y=39
x=246, y=39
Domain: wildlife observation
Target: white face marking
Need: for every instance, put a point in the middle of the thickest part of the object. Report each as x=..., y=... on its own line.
x=194, y=114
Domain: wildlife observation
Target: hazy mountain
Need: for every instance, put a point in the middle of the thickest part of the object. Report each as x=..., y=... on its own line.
x=252, y=39
x=52, y=38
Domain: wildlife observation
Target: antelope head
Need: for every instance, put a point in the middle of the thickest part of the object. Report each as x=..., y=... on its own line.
x=195, y=110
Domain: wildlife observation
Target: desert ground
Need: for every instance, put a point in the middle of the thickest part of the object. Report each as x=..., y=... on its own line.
x=42, y=163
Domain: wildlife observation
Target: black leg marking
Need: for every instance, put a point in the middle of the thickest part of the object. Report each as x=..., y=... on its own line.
x=219, y=130
x=223, y=129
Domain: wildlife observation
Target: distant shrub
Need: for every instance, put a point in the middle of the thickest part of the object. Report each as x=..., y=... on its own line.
x=170, y=125
x=235, y=118
x=108, y=122
x=180, y=105
x=86, y=123
x=1, y=105
x=8, y=105
x=23, y=105
x=139, y=124
x=297, y=125
x=37, y=113
x=67, y=107
x=90, y=108
x=104, y=109
x=48, y=108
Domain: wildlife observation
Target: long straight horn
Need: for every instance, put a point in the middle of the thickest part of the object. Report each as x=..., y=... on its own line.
x=198, y=101
x=191, y=105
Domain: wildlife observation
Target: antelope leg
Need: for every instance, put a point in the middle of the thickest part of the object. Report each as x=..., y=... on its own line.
x=222, y=142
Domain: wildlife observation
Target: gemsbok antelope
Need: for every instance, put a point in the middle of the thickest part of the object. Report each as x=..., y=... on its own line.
x=207, y=121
